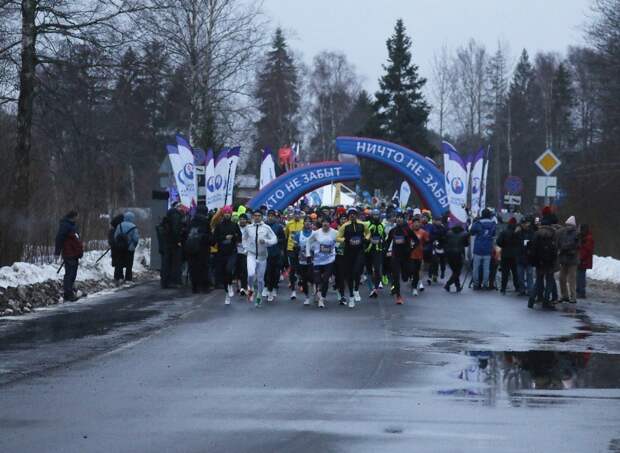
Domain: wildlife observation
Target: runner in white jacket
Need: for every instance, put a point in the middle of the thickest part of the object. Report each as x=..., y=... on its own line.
x=256, y=238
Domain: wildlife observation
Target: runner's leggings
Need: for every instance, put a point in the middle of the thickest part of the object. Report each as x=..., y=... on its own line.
x=305, y=276
x=354, y=262
x=340, y=274
x=321, y=277
x=400, y=269
x=416, y=265
x=256, y=273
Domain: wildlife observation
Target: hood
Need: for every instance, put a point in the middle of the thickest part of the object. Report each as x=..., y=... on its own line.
x=129, y=217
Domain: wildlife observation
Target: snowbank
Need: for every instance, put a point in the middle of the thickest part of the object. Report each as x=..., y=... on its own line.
x=26, y=274
x=605, y=268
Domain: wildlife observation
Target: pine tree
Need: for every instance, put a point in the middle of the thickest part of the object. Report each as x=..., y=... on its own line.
x=278, y=99
x=562, y=102
x=400, y=109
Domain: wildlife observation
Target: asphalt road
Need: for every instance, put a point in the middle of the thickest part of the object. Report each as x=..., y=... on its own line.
x=146, y=370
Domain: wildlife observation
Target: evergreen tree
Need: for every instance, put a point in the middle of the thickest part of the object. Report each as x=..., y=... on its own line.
x=278, y=99
x=400, y=109
x=562, y=101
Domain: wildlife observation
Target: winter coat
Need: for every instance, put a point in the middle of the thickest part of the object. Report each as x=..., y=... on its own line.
x=200, y=225
x=278, y=248
x=544, y=239
x=128, y=227
x=568, y=245
x=225, y=228
x=353, y=235
x=525, y=245
x=484, y=232
x=510, y=242
x=252, y=236
x=586, y=251
x=456, y=241
x=116, y=258
x=68, y=240
x=174, y=228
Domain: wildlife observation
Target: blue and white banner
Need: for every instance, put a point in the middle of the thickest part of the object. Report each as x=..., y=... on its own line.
x=292, y=185
x=405, y=192
x=483, y=186
x=457, y=182
x=210, y=178
x=233, y=160
x=267, y=168
x=182, y=162
x=425, y=177
x=477, y=167
x=220, y=173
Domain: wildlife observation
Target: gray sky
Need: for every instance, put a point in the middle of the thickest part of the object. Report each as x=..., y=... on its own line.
x=360, y=28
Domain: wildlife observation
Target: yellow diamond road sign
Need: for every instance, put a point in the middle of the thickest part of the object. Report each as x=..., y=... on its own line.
x=548, y=162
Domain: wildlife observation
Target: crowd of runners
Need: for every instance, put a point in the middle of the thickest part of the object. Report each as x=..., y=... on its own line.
x=328, y=254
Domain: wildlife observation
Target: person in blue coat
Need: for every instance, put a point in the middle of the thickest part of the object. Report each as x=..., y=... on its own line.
x=483, y=230
x=126, y=238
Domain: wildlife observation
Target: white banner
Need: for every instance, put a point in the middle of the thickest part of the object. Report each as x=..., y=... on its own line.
x=219, y=179
x=456, y=175
x=477, y=167
x=405, y=192
x=210, y=178
x=483, y=188
x=182, y=162
x=229, y=184
x=267, y=169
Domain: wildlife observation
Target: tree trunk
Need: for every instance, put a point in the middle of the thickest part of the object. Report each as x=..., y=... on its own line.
x=20, y=195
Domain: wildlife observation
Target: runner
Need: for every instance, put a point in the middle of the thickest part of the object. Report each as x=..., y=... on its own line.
x=305, y=266
x=321, y=248
x=417, y=255
x=374, y=251
x=400, y=240
x=353, y=234
x=340, y=265
x=256, y=239
x=293, y=226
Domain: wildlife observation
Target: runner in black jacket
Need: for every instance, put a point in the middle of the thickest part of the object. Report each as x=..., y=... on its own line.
x=401, y=239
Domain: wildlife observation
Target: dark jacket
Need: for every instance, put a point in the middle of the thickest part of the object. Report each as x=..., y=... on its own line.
x=116, y=256
x=277, y=249
x=456, y=241
x=225, y=246
x=202, y=224
x=402, y=239
x=174, y=228
x=568, y=245
x=544, y=248
x=509, y=242
x=525, y=245
x=68, y=240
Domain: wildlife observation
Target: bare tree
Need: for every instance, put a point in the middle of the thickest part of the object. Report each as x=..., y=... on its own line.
x=545, y=66
x=219, y=42
x=334, y=87
x=443, y=83
x=45, y=23
x=468, y=91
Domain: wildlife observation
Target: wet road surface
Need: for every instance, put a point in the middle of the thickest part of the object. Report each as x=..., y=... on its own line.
x=146, y=371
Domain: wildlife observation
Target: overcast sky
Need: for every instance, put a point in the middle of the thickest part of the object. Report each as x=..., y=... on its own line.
x=359, y=28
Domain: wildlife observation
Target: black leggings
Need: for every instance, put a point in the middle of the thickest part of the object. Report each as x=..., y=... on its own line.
x=400, y=269
x=456, y=266
x=416, y=265
x=242, y=270
x=321, y=277
x=374, y=264
x=228, y=266
x=354, y=262
x=305, y=276
x=340, y=274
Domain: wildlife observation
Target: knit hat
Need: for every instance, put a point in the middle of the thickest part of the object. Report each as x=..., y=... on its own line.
x=227, y=210
x=546, y=211
x=571, y=221
x=512, y=221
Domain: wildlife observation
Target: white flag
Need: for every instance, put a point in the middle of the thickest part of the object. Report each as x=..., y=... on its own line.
x=405, y=192
x=456, y=176
x=210, y=179
x=267, y=168
x=182, y=162
x=219, y=180
x=476, y=182
x=229, y=184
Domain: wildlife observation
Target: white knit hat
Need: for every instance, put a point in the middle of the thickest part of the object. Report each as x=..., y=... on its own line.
x=571, y=221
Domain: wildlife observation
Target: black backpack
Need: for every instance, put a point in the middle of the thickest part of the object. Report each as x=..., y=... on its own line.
x=547, y=250
x=193, y=241
x=569, y=242
x=121, y=242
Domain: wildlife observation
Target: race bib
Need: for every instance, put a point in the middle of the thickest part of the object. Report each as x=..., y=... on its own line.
x=375, y=240
x=325, y=248
x=399, y=239
x=355, y=240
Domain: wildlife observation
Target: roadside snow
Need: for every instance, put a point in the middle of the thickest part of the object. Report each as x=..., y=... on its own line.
x=25, y=273
x=605, y=268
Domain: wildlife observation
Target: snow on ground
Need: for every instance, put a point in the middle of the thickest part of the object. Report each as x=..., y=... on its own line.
x=26, y=273
x=605, y=268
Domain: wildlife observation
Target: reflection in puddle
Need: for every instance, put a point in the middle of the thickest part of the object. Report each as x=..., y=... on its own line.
x=511, y=372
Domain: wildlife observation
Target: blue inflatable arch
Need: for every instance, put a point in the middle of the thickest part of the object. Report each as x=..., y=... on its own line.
x=426, y=178
x=291, y=186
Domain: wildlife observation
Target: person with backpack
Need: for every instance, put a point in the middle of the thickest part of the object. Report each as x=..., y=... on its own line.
x=126, y=240
x=68, y=244
x=544, y=257
x=197, y=249
x=568, y=257
x=115, y=222
x=586, y=254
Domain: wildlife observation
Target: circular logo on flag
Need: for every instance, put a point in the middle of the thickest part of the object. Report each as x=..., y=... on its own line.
x=186, y=175
x=457, y=185
x=210, y=184
x=218, y=182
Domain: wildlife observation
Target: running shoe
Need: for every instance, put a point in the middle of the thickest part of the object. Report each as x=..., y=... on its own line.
x=293, y=295
x=265, y=292
x=343, y=300
x=306, y=302
x=321, y=303
x=356, y=296
x=231, y=291
x=384, y=280
x=414, y=293
x=242, y=292
x=399, y=300
x=227, y=300
x=270, y=296
x=381, y=285
x=421, y=287
x=258, y=302
x=373, y=294
x=351, y=302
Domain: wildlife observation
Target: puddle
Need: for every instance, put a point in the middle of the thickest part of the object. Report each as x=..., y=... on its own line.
x=492, y=374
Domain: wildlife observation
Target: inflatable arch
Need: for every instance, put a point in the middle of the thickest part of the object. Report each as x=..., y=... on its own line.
x=425, y=177
x=291, y=186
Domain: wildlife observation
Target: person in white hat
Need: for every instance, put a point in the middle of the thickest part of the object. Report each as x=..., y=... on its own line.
x=568, y=257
